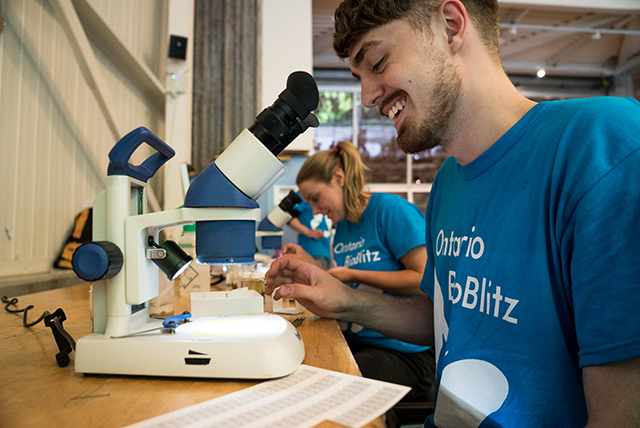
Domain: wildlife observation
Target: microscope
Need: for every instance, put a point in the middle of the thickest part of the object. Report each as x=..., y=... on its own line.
x=270, y=228
x=125, y=256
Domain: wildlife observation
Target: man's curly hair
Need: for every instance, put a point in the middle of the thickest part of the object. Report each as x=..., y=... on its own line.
x=355, y=18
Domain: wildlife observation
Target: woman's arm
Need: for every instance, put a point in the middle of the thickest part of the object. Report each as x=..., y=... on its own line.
x=297, y=225
x=406, y=281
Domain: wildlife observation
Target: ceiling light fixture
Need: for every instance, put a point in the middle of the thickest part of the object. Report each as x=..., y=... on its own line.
x=541, y=73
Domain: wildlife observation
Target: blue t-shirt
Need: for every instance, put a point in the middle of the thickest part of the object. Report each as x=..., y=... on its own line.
x=315, y=247
x=534, y=265
x=390, y=226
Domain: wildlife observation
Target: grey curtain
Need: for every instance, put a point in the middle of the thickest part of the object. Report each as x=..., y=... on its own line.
x=225, y=79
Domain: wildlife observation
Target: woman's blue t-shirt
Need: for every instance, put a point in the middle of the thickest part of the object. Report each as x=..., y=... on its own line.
x=390, y=226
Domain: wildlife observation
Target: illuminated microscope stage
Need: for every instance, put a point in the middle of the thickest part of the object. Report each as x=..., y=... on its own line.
x=235, y=347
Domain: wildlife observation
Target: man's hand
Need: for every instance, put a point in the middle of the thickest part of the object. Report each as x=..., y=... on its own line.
x=311, y=286
x=296, y=250
x=407, y=318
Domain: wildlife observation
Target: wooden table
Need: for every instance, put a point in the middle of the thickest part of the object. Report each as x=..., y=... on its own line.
x=35, y=392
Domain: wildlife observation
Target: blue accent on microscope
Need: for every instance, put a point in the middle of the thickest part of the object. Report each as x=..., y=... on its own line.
x=98, y=260
x=221, y=242
x=121, y=153
x=212, y=189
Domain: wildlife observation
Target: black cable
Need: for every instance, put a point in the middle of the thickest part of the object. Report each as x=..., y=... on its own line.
x=14, y=302
x=65, y=342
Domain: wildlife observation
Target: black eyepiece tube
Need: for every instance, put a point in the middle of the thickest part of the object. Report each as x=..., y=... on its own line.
x=289, y=201
x=289, y=116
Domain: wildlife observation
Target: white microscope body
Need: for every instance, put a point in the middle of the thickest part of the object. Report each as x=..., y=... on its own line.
x=243, y=347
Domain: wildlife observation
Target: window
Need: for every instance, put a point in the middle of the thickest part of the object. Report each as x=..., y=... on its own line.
x=342, y=117
x=335, y=113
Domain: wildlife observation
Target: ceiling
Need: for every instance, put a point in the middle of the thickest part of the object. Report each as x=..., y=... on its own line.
x=589, y=38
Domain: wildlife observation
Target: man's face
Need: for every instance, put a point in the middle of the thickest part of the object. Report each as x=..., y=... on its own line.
x=409, y=79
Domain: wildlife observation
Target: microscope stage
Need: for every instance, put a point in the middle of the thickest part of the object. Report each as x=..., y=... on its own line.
x=236, y=347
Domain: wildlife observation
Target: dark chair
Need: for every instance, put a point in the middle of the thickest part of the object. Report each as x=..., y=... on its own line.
x=408, y=413
x=411, y=412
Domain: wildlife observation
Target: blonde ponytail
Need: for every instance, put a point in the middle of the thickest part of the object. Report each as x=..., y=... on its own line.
x=323, y=165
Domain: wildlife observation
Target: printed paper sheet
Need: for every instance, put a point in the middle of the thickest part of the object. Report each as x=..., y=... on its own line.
x=303, y=399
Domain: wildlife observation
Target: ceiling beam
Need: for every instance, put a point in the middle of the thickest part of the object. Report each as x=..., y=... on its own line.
x=596, y=5
x=562, y=29
x=561, y=69
x=91, y=69
x=103, y=36
x=629, y=65
x=533, y=41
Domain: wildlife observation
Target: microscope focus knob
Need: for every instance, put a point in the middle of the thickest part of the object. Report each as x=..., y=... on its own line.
x=97, y=260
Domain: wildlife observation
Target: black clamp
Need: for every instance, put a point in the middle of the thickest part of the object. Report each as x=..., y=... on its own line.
x=65, y=342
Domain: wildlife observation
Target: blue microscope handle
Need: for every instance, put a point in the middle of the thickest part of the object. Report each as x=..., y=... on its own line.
x=172, y=322
x=121, y=153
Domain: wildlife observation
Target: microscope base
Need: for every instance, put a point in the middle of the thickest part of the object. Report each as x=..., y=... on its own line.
x=236, y=347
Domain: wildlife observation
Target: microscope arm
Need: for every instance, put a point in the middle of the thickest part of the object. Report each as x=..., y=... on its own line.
x=141, y=273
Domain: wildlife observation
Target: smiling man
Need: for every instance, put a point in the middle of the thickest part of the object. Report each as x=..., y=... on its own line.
x=533, y=269
x=439, y=98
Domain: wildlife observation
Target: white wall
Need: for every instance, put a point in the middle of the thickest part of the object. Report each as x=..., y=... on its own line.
x=286, y=46
x=179, y=103
x=54, y=140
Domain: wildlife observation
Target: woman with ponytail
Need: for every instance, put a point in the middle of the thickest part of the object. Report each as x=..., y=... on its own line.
x=379, y=247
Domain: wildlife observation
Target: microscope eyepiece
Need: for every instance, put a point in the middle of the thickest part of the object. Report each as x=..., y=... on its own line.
x=290, y=115
x=288, y=202
x=250, y=162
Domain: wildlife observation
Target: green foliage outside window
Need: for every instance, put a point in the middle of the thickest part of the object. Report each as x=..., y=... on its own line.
x=335, y=107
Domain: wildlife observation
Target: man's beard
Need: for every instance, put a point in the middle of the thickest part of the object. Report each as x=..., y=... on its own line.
x=444, y=101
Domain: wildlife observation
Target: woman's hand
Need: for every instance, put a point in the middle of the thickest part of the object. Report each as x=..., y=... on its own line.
x=342, y=273
x=315, y=234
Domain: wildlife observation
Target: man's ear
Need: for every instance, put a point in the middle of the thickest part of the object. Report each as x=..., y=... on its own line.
x=338, y=176
x=456, y=20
